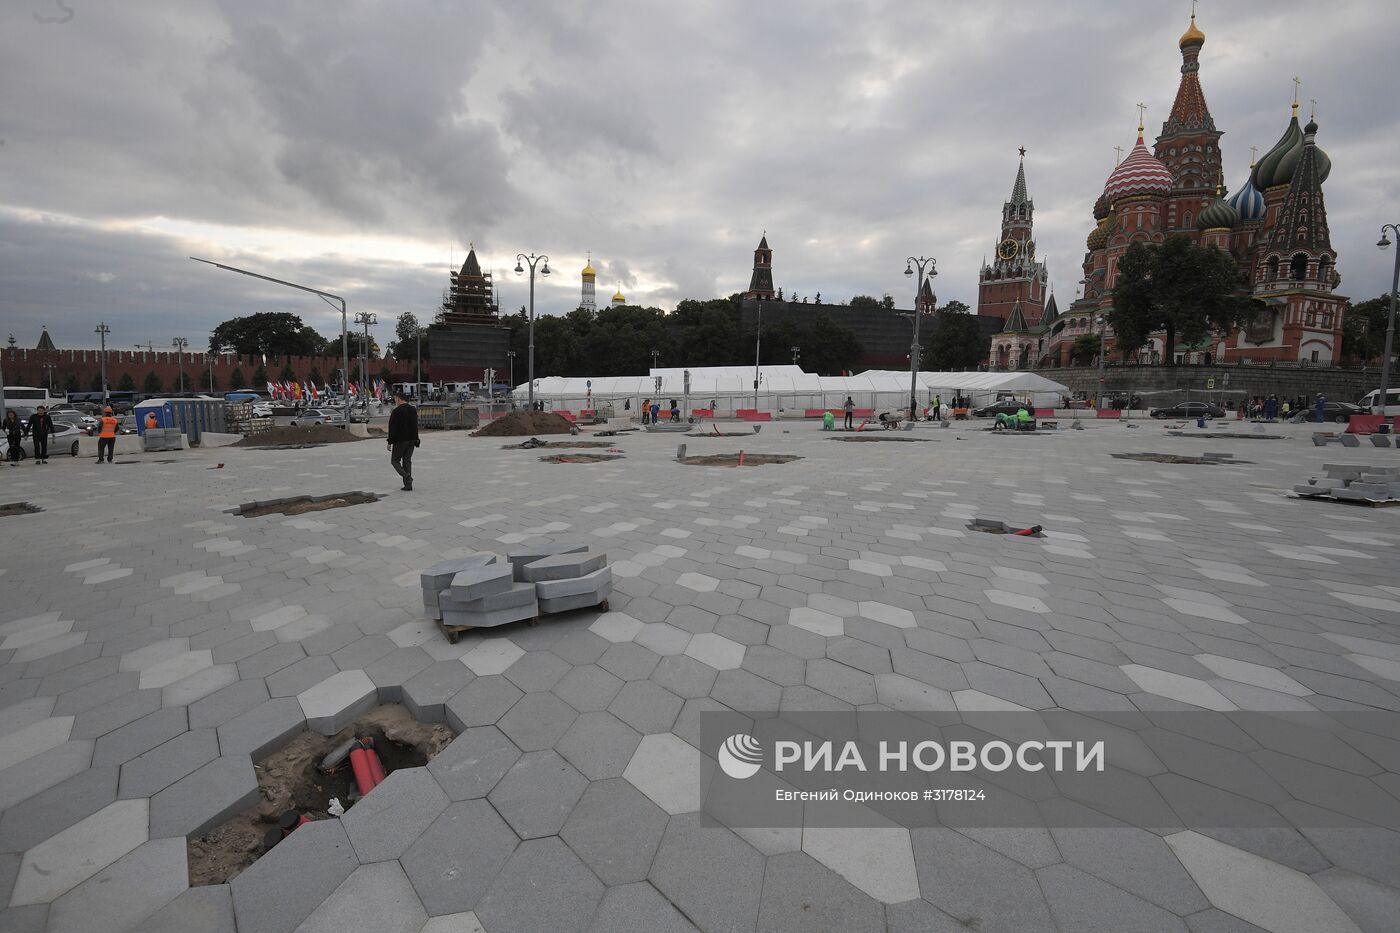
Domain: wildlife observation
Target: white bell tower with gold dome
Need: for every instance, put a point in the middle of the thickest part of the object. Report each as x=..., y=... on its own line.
x=587, y=302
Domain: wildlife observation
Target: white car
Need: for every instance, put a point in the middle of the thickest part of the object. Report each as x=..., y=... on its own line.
x=63, y=441
x=319, y=416
x=73, y=416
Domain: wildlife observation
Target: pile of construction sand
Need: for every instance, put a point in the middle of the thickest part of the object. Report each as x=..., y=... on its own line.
x=288, y=435
x=526, y=424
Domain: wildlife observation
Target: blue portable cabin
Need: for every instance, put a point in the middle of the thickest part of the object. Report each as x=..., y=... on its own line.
x=191, y=416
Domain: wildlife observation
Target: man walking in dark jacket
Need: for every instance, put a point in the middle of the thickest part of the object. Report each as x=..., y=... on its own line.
x=40, y=427
x=403, y=438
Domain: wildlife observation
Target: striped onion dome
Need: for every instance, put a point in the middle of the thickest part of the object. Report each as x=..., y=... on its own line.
x=1139, y=174
x=1101, y=207
x=1248, y=201
x=1218, y=216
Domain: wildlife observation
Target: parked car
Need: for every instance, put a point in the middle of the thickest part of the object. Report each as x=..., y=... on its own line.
x=71, y=415
x=1007, y=406
x=126, y=424
x=319, y=416
x=1189, y=410
x=64, y=440
x=1340, y=412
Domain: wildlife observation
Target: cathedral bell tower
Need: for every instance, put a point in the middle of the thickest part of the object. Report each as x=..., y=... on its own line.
x=761, y=282
x=1015, y=273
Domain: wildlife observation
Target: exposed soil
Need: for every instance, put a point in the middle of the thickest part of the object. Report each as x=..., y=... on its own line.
x=721, y=434
x=300, y=505
x=862, y=439
x=1232, y=436
x=18, y=508
x=550, y=445
x=1176, y=458
x=524, y=424
x=995, y=527
x=732, y=460
x=301, y=435
x=290, y=780
x=580, y=458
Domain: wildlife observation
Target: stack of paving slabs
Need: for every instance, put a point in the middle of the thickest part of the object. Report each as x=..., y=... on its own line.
x=437, y=582
x=1355, y=483
x=162, y=439
x=564, y=576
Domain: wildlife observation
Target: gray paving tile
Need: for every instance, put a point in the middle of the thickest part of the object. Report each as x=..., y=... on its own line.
x=537, y=794
x=284, y=887
x=165, y=764
x=587, y=688
x=375, y=897
x=521, y=900
x=481, y=702
x=599, y=744
x=383, y=824
x=975, y=885
x=391, y=671
x=208, y=909
x=57, y=808
x=427, y=692
x=123, y=895
x=537, y=721
x=221, y=706
x=920, y=917
x=474, y=762
x=456, y=859
x=301, y=675
x=638, y=908
x=684, y=676
x=262, y=729
x=137, y=738
x=538, y=670
x=205, y=798
x=646, y=706
x=710, y=874
x=615, y=829
x=800, y=893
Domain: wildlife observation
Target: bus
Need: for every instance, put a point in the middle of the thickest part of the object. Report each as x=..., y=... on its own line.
x=30, y=397
x=1369, y=401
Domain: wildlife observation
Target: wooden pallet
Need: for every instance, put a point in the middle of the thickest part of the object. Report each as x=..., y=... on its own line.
x=454, y=632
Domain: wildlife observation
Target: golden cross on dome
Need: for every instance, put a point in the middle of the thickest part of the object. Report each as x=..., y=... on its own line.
x=1193, y=9
x=1312, y=115
x=1142, y=111
x=1297, y=83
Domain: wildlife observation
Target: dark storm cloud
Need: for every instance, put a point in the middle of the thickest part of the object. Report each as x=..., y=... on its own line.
x=376, y=137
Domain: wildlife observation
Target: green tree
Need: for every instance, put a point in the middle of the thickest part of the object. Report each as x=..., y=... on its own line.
x=1085, y=350
x=260, y=378
x=1363, y=330
x=1185, y=290
x=126, y=383
x=828, y=348
x=954, y=340
x=71, y=383
x=713, y=337
x=96, y=384
x=235, y=379
x=405, y=329
x=866, y=302
x=152, y=384
x=268, y=333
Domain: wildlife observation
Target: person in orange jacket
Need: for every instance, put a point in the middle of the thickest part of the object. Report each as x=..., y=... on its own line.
x=106, y=434
x=151, y=421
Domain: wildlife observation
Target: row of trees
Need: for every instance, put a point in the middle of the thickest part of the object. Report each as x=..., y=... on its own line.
x=278, y=335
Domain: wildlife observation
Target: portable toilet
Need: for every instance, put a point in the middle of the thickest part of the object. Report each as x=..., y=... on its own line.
x=164, y=412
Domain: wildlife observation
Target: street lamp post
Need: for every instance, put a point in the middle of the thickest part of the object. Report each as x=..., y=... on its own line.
x=418, y=360
x=543, y=262
x=922, y=264
x=102, y=330
x=49, y=368
x=366, y=318
x=210, y=358
x=327, y=297
x=510, y=355
x=655, y=359
x=1390, y=318
x=796, y=353
x=757, y=345
x=1103, y=330
x=179, y=343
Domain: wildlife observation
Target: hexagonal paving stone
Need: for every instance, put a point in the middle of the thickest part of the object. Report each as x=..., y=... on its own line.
x=667, y=769
x=537, y=794
x=537, y=721
x=394, y=814
x=715, y=650
x=455, y=860
x=816, y=621
x=481, y=702
x=615, y=829
x=336, y=701
x=474, y=763
x=493, y=656
x=890, y=615
x=712, y=875
x=616, y=626
x=544, y=886
x=587, y=688
x=646, y=706
x=599, y=744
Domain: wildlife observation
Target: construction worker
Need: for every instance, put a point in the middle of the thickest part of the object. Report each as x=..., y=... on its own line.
x=151, y=420
x=106, y=434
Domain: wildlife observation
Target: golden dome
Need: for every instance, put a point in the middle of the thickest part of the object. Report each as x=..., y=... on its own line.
x=1192, y=35
x=1098, y=237
x=588, y=271
x=618, y=297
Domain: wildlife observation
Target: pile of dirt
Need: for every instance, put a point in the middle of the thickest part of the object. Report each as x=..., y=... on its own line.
x=18, y=508
x=721, y=434
x=866, y=438
x=300, y=505
x=732, y=460
x=290, y=780
x=300, y=435
x=580, y=458
x=524, y=424
x=534, y=443
x=1175, y=458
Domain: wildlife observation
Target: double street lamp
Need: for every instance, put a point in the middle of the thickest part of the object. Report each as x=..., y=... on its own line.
x=543, y=262
x=1103, y=332
x=366, y=318
x=102, y=330
x=327, y=297
x=1390, y=318
x=179, y=343
x=510, y=355
x=927, y=267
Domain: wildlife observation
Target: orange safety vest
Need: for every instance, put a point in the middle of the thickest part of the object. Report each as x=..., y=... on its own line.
x=109, y=427
x=151, y=420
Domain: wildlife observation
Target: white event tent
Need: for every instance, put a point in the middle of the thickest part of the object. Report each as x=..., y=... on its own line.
x=788, y=389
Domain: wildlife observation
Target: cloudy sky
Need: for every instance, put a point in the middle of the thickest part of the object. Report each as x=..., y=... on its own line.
x=360, y=145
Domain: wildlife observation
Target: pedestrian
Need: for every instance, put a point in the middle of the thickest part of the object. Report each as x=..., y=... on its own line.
x=1240, y=416
x=655, y=412
x=1284, y=410
x=40, y=427
x=1270, y=408
x=937, y=404
x=675, y=411
x=106, y=434
x=14, y=433
x=1320, y=407
x=850, y=407
x=646, y=410
x=151, y=421
x=403, y=438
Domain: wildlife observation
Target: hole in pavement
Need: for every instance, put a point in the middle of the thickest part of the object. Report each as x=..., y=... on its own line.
x=994, y=526
x=732, y=460
x=298, y=505
x=580, y=458
x=534, y=442
x=291, y=781
x=1177, y=458
x=720, y=434
x=869, y=438
x=18, y=508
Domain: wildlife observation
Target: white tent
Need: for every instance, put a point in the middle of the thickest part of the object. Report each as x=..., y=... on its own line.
x=787, y=388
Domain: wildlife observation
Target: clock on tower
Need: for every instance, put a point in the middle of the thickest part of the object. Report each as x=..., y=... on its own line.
x=1007, y=249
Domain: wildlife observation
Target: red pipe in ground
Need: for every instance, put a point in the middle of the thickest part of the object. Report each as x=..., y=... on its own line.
x=376, y=767
x=360, y=759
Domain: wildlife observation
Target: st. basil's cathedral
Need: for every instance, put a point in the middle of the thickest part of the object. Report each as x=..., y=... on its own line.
x=1275, y=226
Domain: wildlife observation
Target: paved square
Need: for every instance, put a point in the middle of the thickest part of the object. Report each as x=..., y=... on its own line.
x=153, y=648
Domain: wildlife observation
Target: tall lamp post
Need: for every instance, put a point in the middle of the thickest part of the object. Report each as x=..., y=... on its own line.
x=757, y=345
x=366, y=318
x=796, y=354
x=1390, y=318
x=510, y=355
x=102, y=330
x=210, y=358
x=327, y=297
x=1103, y=329
x=49, y=368
x=418, y=361
x=922, y=264
x=179, y=343
x=543, y=262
